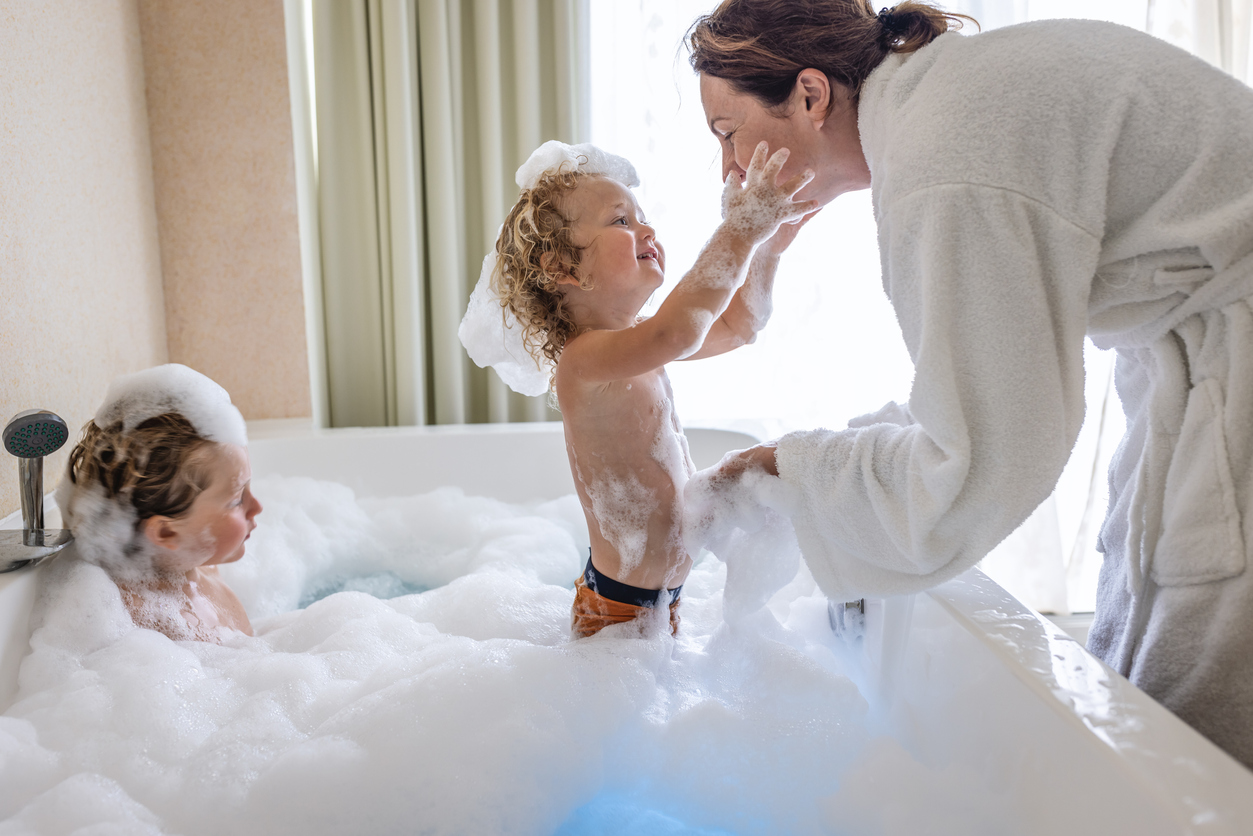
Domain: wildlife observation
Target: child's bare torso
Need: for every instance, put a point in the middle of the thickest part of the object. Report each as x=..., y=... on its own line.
x=630, y=462
x=184, y=607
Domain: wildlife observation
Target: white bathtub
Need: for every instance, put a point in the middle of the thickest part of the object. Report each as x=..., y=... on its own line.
x=990, y=689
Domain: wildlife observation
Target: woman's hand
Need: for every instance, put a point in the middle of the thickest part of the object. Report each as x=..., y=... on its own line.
x=759, y=458
x=727, y=496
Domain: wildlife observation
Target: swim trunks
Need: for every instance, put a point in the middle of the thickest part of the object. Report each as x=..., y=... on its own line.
x=599, y=601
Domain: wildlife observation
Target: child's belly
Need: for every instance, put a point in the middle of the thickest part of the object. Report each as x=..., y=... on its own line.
x=629, y=461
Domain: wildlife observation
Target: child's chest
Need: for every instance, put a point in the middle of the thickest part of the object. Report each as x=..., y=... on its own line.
x=628, y=424
x=632, y=404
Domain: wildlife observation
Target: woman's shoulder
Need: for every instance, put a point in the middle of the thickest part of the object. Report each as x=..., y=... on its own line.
x=1032, y=66
x=1002, y=66
x=1037, y=108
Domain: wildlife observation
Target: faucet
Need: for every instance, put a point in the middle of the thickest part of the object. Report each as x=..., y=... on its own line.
x=30, y=436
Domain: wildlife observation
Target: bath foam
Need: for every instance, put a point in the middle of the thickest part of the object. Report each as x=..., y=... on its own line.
x=104, y=528
x=134, y=398
x=622, y=507
x=463, y=709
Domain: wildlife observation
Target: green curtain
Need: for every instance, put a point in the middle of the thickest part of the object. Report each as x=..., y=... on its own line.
x=424, y=110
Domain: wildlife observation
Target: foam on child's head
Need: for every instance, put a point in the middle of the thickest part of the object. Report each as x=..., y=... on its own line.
x=134, y=398
x=553, y=157
x=106, y=526
x=495, y=340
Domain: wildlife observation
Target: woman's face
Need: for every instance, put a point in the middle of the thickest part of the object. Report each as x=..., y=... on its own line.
x=827, y=142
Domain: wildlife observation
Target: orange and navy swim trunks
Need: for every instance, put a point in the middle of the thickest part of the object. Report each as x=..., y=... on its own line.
x=599, y=601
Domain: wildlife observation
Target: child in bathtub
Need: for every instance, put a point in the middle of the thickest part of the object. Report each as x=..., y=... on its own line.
x=157, y=493
x=575, y=263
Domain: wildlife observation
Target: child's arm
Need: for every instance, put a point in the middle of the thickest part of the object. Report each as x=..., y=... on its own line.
x=753, y=214
x=753, y=303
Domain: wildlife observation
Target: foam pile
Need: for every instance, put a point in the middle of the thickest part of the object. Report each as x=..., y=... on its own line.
x=134, y=398
x=464, y=708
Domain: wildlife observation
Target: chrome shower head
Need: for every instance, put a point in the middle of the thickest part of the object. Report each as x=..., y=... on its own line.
x=30, y=436
x=35, y=433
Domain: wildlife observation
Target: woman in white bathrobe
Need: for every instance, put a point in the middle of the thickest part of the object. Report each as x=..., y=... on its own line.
x=1031, y=185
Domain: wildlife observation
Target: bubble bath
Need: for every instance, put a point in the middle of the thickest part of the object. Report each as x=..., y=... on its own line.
x=463, y=707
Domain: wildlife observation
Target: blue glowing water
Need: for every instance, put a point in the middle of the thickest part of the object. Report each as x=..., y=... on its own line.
x=615, y=814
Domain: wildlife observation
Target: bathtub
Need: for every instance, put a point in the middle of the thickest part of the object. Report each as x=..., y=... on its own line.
x=968, y=677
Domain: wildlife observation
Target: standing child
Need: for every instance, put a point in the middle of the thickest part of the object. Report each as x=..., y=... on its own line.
x=157, y=493
x=574, y=264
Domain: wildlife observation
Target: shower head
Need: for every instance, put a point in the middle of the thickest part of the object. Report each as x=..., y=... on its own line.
x=30, y=436
x=35, y=433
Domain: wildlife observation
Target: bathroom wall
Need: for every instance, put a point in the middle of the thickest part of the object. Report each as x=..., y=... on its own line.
x=80, y=275
x=224, y=176
x=147, y=205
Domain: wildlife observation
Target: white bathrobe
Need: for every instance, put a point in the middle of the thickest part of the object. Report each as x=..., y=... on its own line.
x=1032, y=185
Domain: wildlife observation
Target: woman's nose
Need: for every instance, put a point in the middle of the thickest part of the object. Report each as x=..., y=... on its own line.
x=730, y=165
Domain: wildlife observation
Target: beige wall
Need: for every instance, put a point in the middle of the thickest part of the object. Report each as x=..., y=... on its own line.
x=80, y=279
x=224, y=176
x=144, y=226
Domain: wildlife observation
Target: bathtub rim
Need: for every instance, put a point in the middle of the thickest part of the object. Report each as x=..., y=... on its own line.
x=1195, y=781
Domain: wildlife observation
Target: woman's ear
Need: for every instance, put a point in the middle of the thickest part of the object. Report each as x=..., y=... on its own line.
x=163, y=532
x=814, y=94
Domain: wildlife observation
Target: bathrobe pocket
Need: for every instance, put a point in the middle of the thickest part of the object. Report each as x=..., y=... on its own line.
x=1201, y=539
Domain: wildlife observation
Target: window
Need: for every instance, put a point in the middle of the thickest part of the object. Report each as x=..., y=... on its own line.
x=833, y=349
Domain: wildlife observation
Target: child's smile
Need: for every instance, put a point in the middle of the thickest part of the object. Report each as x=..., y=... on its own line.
x=621, y=258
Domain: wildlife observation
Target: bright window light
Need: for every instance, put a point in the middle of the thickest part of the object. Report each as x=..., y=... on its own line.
x=833, y=349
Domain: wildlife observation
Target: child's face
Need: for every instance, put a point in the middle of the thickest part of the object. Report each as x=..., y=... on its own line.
x=221, y=518
x=621, y=254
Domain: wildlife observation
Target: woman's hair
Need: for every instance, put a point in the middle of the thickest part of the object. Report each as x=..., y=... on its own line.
x=760, y=46
x=158, y=468
x=536, y=248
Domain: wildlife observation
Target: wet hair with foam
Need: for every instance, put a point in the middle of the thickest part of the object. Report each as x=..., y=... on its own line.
x=145, y=454
x=536, y=248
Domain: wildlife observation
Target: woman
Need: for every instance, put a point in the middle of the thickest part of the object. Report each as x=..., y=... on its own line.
x=1031, y=185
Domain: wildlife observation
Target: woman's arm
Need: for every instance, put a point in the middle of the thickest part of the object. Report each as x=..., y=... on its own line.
x=991, y=291
x=753, y=214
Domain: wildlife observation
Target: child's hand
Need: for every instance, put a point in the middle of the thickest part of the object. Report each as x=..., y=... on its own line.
x=756, y=210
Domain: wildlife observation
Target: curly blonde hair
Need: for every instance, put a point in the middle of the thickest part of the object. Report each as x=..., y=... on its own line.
x=158, y=468
x=536, y=248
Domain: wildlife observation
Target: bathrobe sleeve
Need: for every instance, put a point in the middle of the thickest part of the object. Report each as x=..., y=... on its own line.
x=990, y=289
